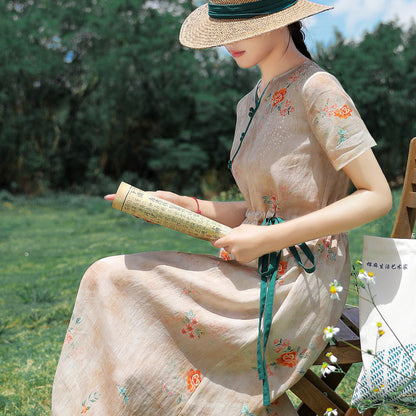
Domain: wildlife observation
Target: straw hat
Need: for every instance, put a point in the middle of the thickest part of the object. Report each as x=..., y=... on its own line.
x=244, y=19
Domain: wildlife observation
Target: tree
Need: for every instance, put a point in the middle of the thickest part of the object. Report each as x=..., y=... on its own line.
x=379, y=75
x=102, y=88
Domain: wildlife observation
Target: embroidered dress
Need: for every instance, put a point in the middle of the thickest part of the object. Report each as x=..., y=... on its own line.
x=168, y=333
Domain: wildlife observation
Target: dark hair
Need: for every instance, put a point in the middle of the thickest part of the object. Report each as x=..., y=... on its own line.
x=298, y=37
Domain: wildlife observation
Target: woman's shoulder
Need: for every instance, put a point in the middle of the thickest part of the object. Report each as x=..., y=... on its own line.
x=319, y=81
x=306, y=77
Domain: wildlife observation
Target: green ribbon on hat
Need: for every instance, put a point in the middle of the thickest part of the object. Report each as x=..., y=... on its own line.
x=248, y=10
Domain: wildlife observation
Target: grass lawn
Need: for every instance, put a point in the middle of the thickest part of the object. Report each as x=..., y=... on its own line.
x=46, y=245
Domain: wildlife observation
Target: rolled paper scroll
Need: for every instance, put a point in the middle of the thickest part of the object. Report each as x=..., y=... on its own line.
x=149, y=207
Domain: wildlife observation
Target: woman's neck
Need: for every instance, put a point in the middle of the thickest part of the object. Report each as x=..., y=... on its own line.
x=278, y=64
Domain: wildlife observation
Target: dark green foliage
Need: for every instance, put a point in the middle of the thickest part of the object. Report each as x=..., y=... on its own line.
x=379, y=73
x=93, y=89
x=96, y=91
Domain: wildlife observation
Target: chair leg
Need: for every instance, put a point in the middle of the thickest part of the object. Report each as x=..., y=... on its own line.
x=318, y=396
x=332, y=381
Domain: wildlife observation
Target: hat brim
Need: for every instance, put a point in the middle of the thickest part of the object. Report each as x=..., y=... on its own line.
x=199, y=31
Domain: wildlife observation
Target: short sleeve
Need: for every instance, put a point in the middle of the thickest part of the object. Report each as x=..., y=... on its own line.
x=334, y=120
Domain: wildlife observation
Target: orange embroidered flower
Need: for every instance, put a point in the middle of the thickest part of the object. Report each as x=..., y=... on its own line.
x=279, y=96
x=343, y=112
x=68, y=338
x=84, y=410
x=288, y=359
x=282, y=267
x=193, y=379
x=225, y=256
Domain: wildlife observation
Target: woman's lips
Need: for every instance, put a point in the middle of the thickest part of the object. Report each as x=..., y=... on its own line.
x=237, y=54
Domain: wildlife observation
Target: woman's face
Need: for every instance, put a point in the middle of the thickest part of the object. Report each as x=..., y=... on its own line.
x=260, y=49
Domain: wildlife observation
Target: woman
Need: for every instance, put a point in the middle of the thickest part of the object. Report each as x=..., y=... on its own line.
x=178, y=334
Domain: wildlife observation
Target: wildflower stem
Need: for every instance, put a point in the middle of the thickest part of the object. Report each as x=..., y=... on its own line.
x=391, y=329
x=378, y=358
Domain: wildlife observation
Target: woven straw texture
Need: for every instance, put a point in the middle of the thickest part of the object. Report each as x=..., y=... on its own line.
x=199, y=31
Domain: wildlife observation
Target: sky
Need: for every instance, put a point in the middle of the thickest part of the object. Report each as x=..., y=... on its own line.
x=354, y=17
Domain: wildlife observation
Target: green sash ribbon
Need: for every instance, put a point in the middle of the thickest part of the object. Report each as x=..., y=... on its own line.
x=268, y=267
x=248, y=10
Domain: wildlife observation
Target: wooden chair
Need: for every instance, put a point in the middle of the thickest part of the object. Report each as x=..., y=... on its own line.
x=318, y=393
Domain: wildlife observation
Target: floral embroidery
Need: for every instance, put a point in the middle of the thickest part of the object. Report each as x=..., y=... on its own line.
x=288, y=359
x=329, y=110
x=75, y=321
x=123, y=392
x=295, y=76
x=178, y=377
x=193, y=379
x=92, y=398
x=190, y=326
x=179, y=397
x=342, y=136
x=325, y=246
x=76, y=351
x=281, y=270
x=288, y=355
x=343, y=112
x=277, y=100
x=216, y=332
x=245, y=411
x=280, y=344
x=225, y=255
x=188, y=291
x=287, y=109
x=272, y=202
x=278, y=96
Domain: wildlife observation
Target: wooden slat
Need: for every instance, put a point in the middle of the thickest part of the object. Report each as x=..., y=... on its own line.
x=345, y=355
x=346, y=334
x=320, y=383
x=351, y=317
x=411, y=200
x=314, y=397
x=413, y=177
x=332, y=380
x=406, y=214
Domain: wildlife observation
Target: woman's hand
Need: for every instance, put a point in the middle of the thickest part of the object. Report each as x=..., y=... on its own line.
x=176, y=199
x=245, y=242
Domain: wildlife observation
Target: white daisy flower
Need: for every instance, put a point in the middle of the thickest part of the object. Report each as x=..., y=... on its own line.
x=331, y=357
x=327, y=369
x=366, y=277
x=335, y=288
x=330, y=332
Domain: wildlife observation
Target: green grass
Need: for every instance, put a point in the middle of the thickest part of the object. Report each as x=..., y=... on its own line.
x=46, y=245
